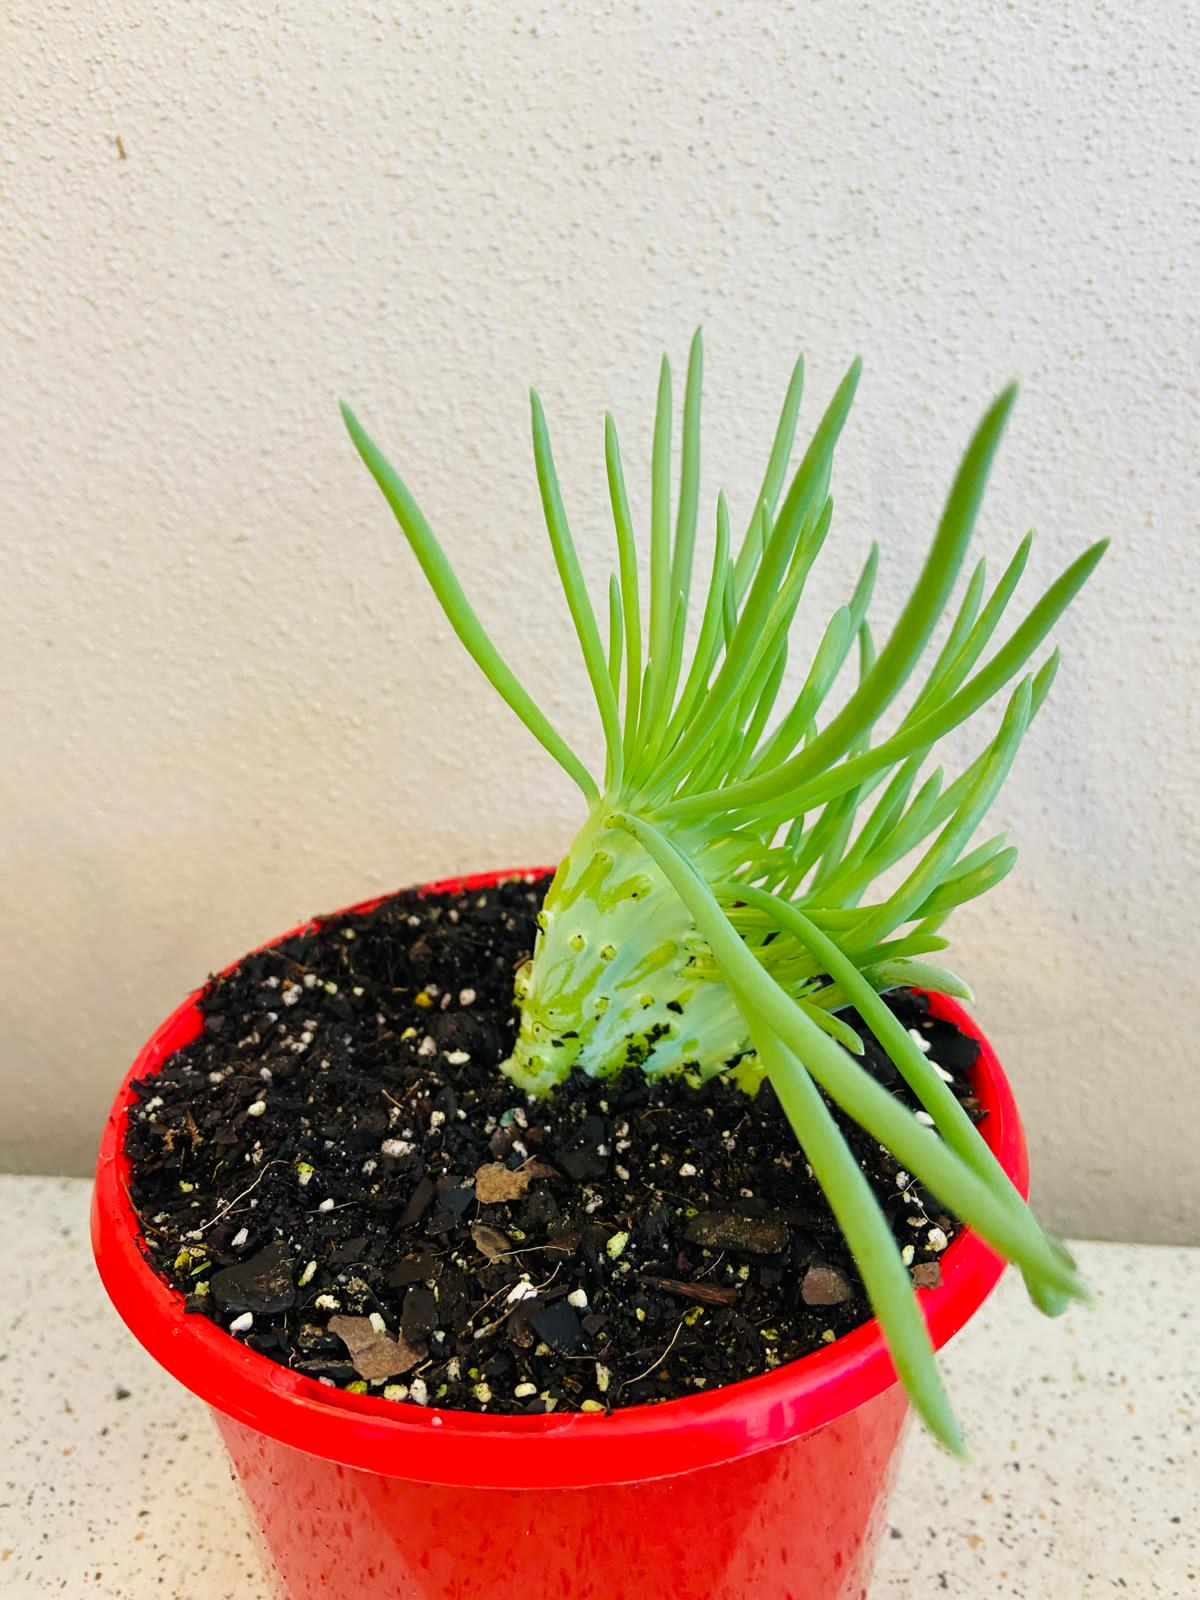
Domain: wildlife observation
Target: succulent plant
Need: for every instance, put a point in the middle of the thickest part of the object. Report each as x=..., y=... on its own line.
x=719, y=906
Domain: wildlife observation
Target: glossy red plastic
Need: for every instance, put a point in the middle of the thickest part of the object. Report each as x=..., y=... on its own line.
x=769, y=1489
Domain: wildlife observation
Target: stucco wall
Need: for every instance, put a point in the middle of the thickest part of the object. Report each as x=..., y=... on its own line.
x=228, y=698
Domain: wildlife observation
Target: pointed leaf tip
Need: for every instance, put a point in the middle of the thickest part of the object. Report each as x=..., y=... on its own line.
x=1002, y=405
x=957, y=1445
x=849, y=384
x=361, y=439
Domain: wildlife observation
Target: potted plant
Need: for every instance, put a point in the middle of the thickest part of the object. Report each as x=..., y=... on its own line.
x=567, y=1233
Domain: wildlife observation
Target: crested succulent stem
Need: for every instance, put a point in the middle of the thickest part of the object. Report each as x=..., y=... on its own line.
x=619, y=977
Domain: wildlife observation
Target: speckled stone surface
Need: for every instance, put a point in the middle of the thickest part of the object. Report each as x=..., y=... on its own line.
x=1085, y=1481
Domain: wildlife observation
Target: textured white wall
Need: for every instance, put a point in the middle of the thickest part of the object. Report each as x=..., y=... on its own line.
x=228, y=699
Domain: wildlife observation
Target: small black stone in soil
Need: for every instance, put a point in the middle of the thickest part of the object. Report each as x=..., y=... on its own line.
x=263, y=1283
x=419, y=1316
x=559, y=1326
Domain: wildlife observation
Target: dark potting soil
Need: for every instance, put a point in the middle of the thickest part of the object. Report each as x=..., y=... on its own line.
x=336, y=1173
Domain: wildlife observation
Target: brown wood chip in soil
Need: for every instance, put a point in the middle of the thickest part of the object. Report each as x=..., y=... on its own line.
x=707, y=1294
x=496, y=1184
x=316, y=1156
x=490, y=1241
x=374, y=1355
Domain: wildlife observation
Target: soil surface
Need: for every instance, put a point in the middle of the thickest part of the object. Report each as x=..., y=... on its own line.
x=336, y=1173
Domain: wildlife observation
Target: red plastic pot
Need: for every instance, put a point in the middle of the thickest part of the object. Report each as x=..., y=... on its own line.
x=770, y=1489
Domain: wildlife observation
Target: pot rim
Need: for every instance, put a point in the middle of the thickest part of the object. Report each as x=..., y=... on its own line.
x=561, y=1450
